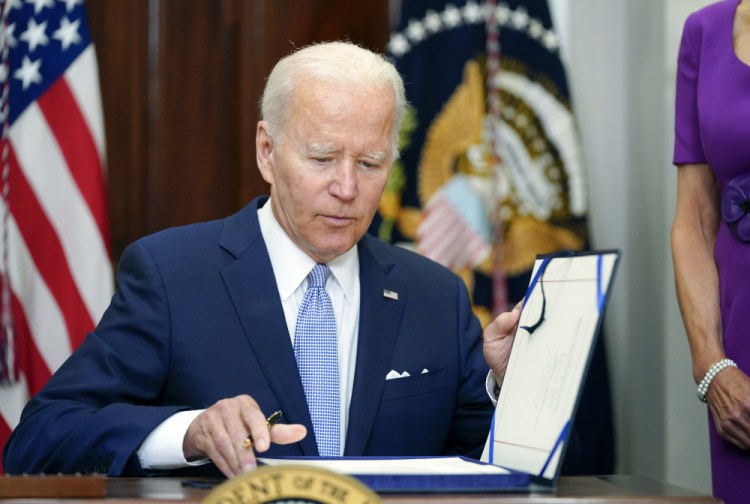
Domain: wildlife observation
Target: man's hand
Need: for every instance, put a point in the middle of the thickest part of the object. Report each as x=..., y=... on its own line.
x=219, y=432
x=498, y=340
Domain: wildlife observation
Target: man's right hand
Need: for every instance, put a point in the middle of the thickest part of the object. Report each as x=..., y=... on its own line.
x=219, y=432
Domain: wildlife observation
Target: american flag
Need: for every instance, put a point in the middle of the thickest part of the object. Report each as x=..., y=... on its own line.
x=54, y=255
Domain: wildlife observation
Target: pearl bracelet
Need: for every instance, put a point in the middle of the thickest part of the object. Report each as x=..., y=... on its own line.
x=711, y=374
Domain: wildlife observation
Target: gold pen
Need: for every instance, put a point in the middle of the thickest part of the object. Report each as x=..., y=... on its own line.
x=272, y=419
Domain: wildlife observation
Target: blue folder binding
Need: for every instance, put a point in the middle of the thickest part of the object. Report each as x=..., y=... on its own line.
x=393, y=482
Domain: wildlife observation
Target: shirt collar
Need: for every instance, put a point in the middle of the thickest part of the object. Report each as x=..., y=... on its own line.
x=291, y=265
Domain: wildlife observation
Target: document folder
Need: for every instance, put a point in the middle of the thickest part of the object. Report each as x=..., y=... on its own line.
x=417, y=474
x=561, y=318
x=559, y=323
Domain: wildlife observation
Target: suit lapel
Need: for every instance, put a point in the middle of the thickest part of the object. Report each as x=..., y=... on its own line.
x=379, y=321
x=252, y=287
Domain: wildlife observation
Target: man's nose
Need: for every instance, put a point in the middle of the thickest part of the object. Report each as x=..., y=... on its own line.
x=344, y=185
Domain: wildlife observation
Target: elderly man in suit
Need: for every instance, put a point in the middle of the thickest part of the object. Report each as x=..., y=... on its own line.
x=200, y=342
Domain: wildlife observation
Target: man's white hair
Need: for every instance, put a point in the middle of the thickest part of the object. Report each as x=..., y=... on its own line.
x=338, y=62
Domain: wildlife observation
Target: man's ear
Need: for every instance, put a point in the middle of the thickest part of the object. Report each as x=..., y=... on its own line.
x=264, y=151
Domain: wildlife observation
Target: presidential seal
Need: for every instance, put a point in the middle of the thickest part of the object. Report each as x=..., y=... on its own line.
x=292, y=484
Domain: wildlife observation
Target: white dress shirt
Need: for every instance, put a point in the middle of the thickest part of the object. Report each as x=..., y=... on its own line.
x=162, y=449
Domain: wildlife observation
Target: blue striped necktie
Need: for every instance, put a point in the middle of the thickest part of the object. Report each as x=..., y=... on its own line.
x=317, y=360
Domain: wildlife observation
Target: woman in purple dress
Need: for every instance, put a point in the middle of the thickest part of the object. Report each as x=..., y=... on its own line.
x=711, y=229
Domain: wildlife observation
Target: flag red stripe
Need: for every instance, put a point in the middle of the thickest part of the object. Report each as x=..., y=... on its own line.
x=436, y=221
x=28, y=361
x=4, y=435
x=77, y=145
x=438, y=237
x=434, y=217
x=48, y=255
x=444, y=237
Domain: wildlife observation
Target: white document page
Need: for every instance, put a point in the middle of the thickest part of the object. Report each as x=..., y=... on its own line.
x=402, y=466
x=547, y=364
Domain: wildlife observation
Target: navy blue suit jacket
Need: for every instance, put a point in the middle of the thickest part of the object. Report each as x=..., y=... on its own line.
x=197, y=318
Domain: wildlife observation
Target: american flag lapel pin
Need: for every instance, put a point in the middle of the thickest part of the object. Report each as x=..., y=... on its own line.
x=387, y=293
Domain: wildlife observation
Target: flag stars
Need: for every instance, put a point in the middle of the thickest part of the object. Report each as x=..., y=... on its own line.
x=451, y=16
x=11, y=4
x=71, y=4
x=432, y=21
x=502, y=14
x=520, y=18
x=67, y=34
x=7, y=36
x=472, y=12
x=398, y=45
x=29, y=74
x=41, y=4
x=415, y=31
x=551, y=41
x=35, y=35
x=536, y=29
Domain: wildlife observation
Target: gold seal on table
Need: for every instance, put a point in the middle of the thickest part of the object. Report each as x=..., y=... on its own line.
x=292, y=484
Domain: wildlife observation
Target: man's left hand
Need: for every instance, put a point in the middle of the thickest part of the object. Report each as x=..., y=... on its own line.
x=498, y=341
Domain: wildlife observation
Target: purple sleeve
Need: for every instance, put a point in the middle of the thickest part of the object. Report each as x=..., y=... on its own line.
x=688, y=147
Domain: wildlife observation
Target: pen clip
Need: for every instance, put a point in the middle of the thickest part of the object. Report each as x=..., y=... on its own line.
x=273, y=418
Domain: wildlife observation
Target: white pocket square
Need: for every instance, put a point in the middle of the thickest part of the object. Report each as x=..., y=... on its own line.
x=393, y=374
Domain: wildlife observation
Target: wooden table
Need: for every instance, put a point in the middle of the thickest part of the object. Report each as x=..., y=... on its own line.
x=614, y=489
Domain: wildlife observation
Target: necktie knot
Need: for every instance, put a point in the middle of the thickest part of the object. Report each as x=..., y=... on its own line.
x=318, y=276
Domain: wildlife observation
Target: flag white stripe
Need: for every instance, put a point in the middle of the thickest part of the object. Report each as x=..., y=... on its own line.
x=443, y=251
x=49, y=177
x=83, y=80
x=444, y=237
x=438, y=242
x=439, y=217
x=43, y=316
x=13, y=397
